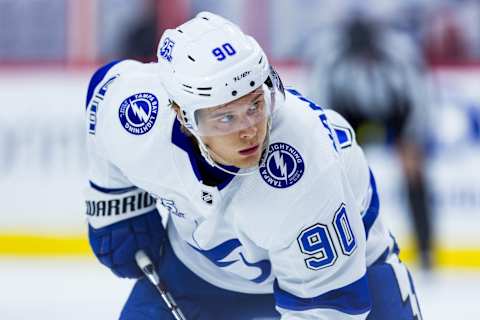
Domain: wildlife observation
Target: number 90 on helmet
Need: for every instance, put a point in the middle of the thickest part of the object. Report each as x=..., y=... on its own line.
x=208, y=66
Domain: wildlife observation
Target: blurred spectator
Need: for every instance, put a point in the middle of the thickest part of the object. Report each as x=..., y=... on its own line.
x=445, y=41
x=451, y=31
x=374, y=77
x=140, y=42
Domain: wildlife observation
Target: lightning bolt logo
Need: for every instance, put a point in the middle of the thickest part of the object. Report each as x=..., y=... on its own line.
x=138, y=111
x=283, y=166
x=280, y=163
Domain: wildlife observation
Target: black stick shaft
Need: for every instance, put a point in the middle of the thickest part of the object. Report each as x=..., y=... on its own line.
x=147, y=267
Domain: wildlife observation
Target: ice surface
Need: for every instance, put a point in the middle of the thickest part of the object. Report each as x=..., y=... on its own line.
x=83, y=289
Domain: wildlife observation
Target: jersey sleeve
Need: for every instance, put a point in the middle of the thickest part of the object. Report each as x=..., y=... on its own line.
x=352, y=156
x=133, y=124
x=110, y=196
x=320, y=268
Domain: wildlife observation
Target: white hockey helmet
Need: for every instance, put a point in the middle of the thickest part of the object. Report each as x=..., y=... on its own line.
x=208, y=61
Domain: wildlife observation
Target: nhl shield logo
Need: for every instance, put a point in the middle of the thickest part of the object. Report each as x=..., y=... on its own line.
x=165, y=51
x=138, y=113
x=207, y=197
x=283, y=167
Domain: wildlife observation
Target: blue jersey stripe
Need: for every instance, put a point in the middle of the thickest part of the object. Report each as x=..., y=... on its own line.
x=264, y=265
x=351, y=299
x=97, y=78
x=371, y=213
x=112, y=190
x=220, y=252
x=341, y=135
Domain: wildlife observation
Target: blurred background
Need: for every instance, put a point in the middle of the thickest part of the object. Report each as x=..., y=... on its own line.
x=421, y=132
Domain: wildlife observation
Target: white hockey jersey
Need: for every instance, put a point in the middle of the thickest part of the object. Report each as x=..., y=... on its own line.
x=305, y=226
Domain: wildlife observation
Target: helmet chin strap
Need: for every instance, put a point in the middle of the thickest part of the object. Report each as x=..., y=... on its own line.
x=207, y=154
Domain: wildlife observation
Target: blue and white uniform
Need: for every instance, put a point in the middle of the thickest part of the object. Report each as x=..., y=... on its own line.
x=304, y=229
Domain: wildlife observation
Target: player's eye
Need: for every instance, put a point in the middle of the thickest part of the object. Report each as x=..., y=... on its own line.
x=226, y=118
x=254, y=108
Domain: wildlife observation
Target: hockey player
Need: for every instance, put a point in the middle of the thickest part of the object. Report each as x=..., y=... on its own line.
x=272, y=210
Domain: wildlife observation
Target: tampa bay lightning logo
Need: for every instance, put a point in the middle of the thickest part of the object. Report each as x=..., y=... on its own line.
x=138, y=113
x=283, y=166
x=166, y=49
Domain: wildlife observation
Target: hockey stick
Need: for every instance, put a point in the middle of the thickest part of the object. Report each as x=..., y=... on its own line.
x=147, y=267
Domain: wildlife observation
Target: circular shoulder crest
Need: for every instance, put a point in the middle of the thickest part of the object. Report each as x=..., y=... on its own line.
x=283, y=167
x=138, y=112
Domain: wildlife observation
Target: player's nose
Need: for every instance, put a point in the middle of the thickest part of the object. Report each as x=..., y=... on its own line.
x=248, y=132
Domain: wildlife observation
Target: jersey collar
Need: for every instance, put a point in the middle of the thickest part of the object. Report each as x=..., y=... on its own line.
x=203, y=171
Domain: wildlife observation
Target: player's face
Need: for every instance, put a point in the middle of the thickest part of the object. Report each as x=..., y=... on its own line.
x=241, y=128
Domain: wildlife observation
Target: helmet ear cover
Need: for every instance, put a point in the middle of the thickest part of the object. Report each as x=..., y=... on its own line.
x=273, y=81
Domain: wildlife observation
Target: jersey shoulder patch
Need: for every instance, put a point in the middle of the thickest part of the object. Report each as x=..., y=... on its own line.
x=134, y=121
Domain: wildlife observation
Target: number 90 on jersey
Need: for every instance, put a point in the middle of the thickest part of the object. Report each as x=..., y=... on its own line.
x=316, y=241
